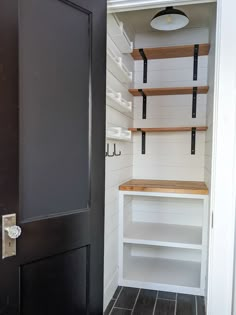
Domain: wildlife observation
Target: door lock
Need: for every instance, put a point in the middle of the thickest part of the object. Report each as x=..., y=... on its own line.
x=10, y=232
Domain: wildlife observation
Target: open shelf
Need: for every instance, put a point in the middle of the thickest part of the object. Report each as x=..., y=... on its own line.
x=169, y=91
x=159, y=271
x=157, y=234
x=165, y=186
x=116, y=101
x=116, y=66
x=118, y=133
x=169, y=129
x=116, y=31
x=171, y=52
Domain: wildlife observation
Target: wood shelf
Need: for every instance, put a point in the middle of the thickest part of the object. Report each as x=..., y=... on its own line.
x=171, y=52
x=165, y=186
x=169, y=91
x=169, y=129
x=159, y=234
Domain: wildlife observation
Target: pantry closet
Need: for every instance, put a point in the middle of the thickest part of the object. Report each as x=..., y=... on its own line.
x=160, y=88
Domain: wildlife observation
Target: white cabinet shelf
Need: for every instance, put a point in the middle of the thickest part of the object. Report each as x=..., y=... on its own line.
x=155, y=250
x=162, y=274
x=116, y=66
x=116, y=101
x=163, y=235
x=118, y=133
x=117, y=33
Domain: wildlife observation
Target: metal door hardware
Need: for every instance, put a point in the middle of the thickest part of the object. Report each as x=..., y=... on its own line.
x=10, y=233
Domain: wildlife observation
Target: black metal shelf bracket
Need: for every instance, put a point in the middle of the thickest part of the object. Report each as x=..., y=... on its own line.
x=144, y=115
x=195, y=61
x=142, y=53
x=194, y=103
x=193, y=140
x=143, y=140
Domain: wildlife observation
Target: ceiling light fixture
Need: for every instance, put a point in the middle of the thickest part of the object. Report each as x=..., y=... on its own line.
x=169, y=19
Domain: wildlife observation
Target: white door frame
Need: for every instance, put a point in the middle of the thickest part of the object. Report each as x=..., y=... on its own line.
x=223, y=188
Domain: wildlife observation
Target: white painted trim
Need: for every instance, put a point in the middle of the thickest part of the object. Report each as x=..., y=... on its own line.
x=223, y=192
x=121, y=233
x=129, y=5
x=165, y=195
x=205, y=231
x=161, y=287
x=109, y=290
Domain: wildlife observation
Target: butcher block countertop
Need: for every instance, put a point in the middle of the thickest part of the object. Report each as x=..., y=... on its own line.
x=165, y=186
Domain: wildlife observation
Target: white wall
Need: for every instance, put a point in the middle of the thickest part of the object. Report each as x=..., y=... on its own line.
x=118, y=170
x=210, y=105
x=168, y=155
x=210, y=98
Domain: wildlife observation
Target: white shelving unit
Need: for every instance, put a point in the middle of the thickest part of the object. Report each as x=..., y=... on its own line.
x=117, y=67
x=160, y=256
x=170, y=235
x=116, y=31
x=118, y=133
x=115, y=100
x=162, y=274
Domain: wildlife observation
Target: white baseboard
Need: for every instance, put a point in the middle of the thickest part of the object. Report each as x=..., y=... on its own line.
x=110, y=289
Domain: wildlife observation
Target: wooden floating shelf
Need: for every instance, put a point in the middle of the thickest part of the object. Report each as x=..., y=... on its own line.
x=169, y=91
x=165, y=186
x=171, y=52
x=169, y=129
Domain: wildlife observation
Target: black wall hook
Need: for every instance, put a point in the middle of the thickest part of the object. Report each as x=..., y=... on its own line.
x=114, y=153
x=107, y=153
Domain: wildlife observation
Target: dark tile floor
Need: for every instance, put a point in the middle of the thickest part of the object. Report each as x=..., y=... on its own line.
x=127, y=301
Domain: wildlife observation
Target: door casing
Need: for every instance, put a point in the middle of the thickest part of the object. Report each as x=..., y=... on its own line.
x=223, y=188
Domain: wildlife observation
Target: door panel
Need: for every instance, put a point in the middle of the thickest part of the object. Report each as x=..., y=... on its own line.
x=54, y=109
x=44, y=281
x=52, y=139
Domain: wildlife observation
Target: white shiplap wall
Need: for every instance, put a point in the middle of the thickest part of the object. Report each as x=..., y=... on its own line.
x=168, y=154
x=210, y=100
x=118, y=170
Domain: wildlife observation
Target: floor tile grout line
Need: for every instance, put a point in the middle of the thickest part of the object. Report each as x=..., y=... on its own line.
x=115, y=301
x=135, y=301
x=123, y=308
x=196, y=305
x=175, y=312
x=154, y=307
x=167, y=299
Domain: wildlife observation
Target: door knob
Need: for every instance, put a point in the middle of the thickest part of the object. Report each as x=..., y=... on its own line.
x=10, y=232
x=13, y=231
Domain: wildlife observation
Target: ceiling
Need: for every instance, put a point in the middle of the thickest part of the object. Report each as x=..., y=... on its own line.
x=139, y=21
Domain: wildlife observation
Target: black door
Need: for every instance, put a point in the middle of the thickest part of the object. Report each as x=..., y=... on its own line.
x=52, y=122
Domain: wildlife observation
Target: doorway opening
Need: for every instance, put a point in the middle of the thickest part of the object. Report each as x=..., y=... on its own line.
x=159, y=102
